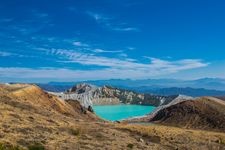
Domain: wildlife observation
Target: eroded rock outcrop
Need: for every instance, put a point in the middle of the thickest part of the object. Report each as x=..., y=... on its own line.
x=89, y=95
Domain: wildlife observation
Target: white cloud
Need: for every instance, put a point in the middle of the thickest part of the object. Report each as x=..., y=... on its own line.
x=77, y=43
x=98, y=17
x=98, y=50
x=123, y=55
x=109, y=67
x=131, y=48
x=91, y=59
x=122, y=68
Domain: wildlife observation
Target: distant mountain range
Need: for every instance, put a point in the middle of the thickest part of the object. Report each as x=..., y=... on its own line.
x=200, y=87
x=194, y=92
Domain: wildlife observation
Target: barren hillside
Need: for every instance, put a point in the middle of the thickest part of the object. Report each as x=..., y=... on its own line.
x=32, y=119
x=202, y=113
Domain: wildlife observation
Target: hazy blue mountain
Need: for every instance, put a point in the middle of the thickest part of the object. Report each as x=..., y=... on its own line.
x=206, y=83
x=200, y=87
x=183, y=91
x=55, y=87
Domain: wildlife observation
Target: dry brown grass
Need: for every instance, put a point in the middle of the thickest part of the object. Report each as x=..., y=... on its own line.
x=27, y=121
x=177, y=137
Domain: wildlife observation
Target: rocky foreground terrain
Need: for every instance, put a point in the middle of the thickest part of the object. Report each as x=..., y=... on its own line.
x=88, y=95
x=35, y=120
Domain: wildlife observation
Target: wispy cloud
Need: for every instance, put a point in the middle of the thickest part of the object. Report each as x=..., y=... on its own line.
x=116, y=65
x=110, y=22
x=98, y=17
x=131, y=48
x=155, y=66
x=77, y=43
x=91, y=48
x=108, y=67
x=123, y=55
x=98, y=50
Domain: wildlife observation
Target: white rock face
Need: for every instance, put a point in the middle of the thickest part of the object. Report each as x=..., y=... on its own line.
x=162, y=100
x=180, y=98
x=84, y=99
x=88, y=95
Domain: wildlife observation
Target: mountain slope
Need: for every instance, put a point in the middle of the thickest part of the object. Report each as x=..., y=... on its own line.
x=23, y=93
x=202, y=113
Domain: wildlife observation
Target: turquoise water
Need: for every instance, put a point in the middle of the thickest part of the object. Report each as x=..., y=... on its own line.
x=118, y=112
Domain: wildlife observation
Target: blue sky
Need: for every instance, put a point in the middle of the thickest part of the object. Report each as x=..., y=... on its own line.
x=74, y=40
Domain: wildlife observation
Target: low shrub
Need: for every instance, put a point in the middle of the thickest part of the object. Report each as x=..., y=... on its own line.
x=9, y=147
x=36, y=146
x=130, y=145
x=75, y=132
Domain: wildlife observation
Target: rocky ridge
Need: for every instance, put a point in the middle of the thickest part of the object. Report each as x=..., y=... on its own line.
x=201, y=113
x=165, y=104
x=89, y=95
x=178, y=99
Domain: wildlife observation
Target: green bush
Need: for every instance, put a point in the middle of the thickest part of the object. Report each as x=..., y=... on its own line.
x=130, y=145
x=36, y=146
x=9, y=147
x=75, y=132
